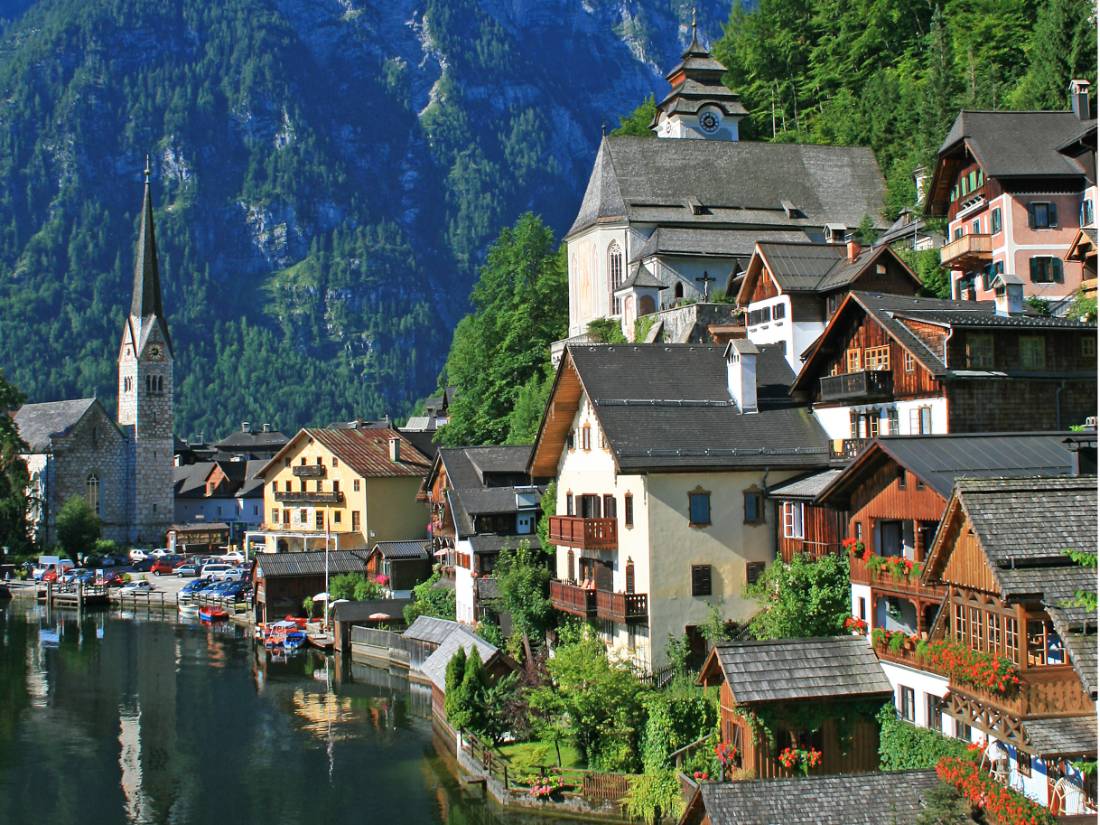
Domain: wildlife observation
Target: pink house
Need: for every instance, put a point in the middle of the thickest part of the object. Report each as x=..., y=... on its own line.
x=1015, y=200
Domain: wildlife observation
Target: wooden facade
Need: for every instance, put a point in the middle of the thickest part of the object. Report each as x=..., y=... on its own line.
x=823, y=530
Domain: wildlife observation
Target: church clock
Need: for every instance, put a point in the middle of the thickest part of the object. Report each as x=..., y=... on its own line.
x=709, y=121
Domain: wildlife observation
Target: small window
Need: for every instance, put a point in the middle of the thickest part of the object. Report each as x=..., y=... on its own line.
x=303, y=461
x=935, y=712
x=274, y=486
x=754, y=507
x=320, y=461
x=753, y=571
x=962, y=731
x=335, y=485
x=910, y=362
x=303, y=516
x=893, y=422
x=1046, y=269
x=274, y=516
x=901, y=478
x=855, y=359
x=628, y=509
x=571, y=441
x=1023, y=763
x=995, y=221
x=286, y=518
x=862, y=609
x=958, y=232
x=335, y=516
x=569, y=506
x=877, y=359
x=979, y=351
x=354, y=519
x=908, y=703
x=586, y=437
x=700, y=580
x=1033, y=352
x=972, y=180
x=976, y=228
x=793, y=512
x=335, y=461
x=355, y=485
x=1088, y=347
x=779, y=311
x=920, y=484
x=319, y=519
x=1042, y=215
x=609, y=507
x=699, y=508
x=1088, y=216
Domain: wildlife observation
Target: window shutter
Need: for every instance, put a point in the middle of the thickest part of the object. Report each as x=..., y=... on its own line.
x=753, y=571
x=1031, y=216
x=1052, y=214
x=700, y=580
x=1056, y=270
x=1033, y=266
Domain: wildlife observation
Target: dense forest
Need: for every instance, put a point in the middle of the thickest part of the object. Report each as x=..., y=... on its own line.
x=328, y=176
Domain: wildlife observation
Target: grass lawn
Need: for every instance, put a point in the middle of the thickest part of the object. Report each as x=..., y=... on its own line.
x=528, y=755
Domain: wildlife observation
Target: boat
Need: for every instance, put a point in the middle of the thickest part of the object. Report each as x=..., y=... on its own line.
x=284, y=636
x=210, y=613
x=187, y=609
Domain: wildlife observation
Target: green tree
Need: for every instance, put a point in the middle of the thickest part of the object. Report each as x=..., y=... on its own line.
x=592, y=702
x=14, y=478
x=520, y=308
x=353, y=587
x=935, y=280
x=526, y=415
x=523, y=579
x=637, y=122
x=429, y=600
x=808, y=597
x=1062, y=47
x=456, y=703
x=77, y=526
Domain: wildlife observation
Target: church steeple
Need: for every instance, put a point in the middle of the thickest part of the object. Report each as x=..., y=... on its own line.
x=145, y=302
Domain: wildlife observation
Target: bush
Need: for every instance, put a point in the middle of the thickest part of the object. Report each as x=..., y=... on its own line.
x=903, y=746
x=674, y=719
x=429, y=600
x=655, y=796
x=77, y=526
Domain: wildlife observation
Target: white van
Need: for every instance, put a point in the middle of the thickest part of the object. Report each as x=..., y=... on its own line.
x=48, y=563
x=216, y=570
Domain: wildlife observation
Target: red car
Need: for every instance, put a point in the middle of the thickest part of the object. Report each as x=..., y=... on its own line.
x=109, y=579
x=165, y=564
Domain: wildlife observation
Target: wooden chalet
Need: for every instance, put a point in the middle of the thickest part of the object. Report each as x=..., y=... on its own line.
x=403, y=564
x=897, y=365
x=893, y=496
x=282, y=581
x=804, y=526
x=837, y=682
x=1012, y=591
x=861, y=799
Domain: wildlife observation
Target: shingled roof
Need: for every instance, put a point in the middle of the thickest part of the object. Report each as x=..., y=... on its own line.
x=739, y=183
x=39, y=424
x=668, y=406
x=430, y=629
x=312, y=563
x=481, y=480
x=435, y=666
x=842, y=799
x=411, y=549
x=1017, y=144
x=366, y=451
x=711, y=242
x=793, y=669
x=821, y=267
x=1072, y=737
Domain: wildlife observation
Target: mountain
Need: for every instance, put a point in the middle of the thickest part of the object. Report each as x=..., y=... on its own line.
x=328, y=175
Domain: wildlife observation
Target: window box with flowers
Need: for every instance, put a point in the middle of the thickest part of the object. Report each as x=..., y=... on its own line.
x=857, y=627
x=998, y=805
x=800, y=759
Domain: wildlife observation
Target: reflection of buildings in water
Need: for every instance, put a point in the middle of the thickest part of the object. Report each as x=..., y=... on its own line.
x=327, y=716
x=129, y=763
x=38, y=678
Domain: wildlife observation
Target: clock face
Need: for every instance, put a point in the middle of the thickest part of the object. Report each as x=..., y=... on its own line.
x=154, y=351
x=709, y=122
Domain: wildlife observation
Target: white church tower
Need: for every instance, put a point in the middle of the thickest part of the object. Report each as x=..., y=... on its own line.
x=145, y=392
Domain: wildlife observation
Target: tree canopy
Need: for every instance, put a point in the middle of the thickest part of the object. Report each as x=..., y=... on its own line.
x=808, y=597
x=78, y=527
x=13, y=473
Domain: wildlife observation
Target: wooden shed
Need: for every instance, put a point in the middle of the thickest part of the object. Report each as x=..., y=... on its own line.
x=819, y=693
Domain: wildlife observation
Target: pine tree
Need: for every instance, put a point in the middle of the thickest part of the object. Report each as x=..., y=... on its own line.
x=1063, y=47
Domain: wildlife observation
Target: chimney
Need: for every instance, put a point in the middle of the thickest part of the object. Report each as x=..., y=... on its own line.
x=395, y=449
x=1079, y=98
x=853, y=248
x=920, y=180
x=741, y=373
x=1008, y=295
x=267, y=428
x=246, y=427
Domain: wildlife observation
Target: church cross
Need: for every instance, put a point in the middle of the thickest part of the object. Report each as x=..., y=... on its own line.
x=706, y=281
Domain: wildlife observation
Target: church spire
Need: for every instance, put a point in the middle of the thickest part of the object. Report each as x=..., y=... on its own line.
x=146, y=296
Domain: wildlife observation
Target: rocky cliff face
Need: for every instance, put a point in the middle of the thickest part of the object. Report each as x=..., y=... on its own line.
x=329, y=174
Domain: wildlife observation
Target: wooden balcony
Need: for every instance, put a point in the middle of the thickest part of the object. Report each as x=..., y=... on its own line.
x=967, y=252
x=622, y=607
x=309, y=470
x=1044, y=693
x=883, y=580
x=576, y=601
x=584, y=533
x=868, y=385
x=309, y=497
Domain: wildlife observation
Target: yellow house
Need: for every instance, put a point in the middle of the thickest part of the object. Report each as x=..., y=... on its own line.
x=662, y=455
x=357, y=486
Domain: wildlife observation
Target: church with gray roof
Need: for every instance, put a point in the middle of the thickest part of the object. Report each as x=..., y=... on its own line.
x=121, y=466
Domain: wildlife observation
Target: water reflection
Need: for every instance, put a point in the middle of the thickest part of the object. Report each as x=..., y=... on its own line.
x=139, y=720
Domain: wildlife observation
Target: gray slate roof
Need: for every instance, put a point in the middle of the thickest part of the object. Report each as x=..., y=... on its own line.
x=361, y=611
x=39, y=423
x=1075, y=736
x=806, y=486
x=711, y=242
x=411, y=549
x=791, y=669
x=842, y=799
x=311, y=563
x=435, y=666
x=739, y=182
x=430, y=629
x=667, y=406
x=472, y=487
x=940, y=460
x=1011, y=144
x=816, y=267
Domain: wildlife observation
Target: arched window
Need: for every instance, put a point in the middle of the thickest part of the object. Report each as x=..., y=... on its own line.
x=678, y=292
x=615, y=274
x=91, y=492
x=630, y=575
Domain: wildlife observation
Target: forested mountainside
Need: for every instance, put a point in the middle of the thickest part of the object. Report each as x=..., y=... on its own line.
x=327, y=177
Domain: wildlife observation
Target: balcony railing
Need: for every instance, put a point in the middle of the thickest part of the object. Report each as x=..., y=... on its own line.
x=309, y=470
x=314, y=497
x=584, y=533
x=1044, y=693
x=857, y=386
x=847, y=447
x=622, y=607
x=967, y=252
x=576, y=601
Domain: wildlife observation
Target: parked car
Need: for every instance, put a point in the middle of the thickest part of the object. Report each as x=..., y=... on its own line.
x=142, y=565
x=81, y=576
x=235, y=574
x=138, y=554
x=160, y=551
x=141, y=586
x=196, y=587
x=51, y=563
x=187, y=568
x=217, y=570
x=231, y=590
x=232, y=557
x=110, y=579
x=165, y=565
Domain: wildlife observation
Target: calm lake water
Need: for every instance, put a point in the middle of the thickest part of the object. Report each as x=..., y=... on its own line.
x=114, y=718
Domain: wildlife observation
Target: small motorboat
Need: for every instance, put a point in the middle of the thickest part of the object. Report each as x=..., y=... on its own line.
x=212, y=613
x=284, y=636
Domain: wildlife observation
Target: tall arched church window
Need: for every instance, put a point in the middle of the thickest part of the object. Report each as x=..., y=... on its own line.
x=678, y=292
x=615, y=274
x=91, y=492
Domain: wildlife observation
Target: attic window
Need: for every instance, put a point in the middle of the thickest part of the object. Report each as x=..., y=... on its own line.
x=791, y=210
x=835, y=232
x=880, y=269
x=696, y=206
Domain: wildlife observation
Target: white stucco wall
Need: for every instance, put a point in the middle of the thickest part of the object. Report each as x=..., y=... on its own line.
x=924, y=685
x=464, y=586
x=837, y=421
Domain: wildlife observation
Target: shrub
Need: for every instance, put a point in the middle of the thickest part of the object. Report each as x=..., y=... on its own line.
x=903, y=746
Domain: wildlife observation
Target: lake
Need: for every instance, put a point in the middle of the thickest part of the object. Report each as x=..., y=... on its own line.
x=113, y=718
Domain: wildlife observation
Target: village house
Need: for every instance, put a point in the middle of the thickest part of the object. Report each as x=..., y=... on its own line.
x=345, y=487
x=791, y=290
x=220, y=491
x=899, y=365
x=282, y=582
x=399, y=566
x=1015, y=594
x=807, y=694
x=662, y=454
x=481, y=501
x=863, y=799
x=1082, y=249
x=1013, y=200
x=691, y=205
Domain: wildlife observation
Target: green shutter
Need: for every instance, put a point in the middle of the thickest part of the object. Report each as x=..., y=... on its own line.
x=1052, y=214
x=1056, y=270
